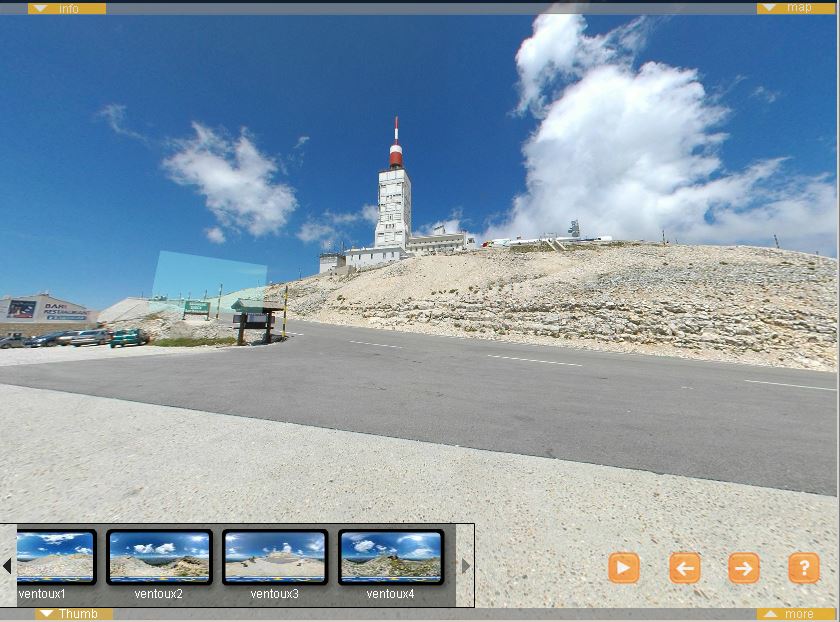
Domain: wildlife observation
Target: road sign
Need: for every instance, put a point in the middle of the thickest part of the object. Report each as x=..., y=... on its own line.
x=196, y=307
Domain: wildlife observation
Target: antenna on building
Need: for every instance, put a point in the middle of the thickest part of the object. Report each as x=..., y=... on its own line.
x=395, y=160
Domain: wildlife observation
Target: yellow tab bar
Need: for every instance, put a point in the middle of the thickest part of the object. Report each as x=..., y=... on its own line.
x=795, y=8
x=796, y=613
x=71, y=8
x=74, y=613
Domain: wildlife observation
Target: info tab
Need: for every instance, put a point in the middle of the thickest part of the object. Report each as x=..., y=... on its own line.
x=71, y=8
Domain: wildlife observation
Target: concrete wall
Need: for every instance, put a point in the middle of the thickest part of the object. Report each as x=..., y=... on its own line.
x=446, y=242
x=330, y=261
x=360, y=258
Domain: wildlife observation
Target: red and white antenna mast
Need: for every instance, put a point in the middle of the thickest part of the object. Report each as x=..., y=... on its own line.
x=396, y=160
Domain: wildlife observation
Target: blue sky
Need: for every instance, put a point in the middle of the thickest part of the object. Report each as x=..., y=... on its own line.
x=153, y=544
x=36, y=544
x=119, y=126
x=405, y=544
x=243, y=544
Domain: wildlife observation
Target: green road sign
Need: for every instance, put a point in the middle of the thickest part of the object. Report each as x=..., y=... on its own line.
x=196, y=307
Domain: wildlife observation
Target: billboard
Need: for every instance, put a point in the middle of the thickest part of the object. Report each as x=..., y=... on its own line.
x=42, y=308
x=21, y=309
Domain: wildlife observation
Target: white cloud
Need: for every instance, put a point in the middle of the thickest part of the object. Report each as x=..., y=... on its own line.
x=313, y=231
x=379, y=547
x=420, y=552
x=363, y=546
x=163, y=549
x=215, y=235
x=560, y=49
x=631, y=151
x=411, y=537
x=301, y=141
x=41, y=548
x=57, y=538
x=199, y=538
x=83, y=550
x=453, y=224
x=236, y=180
x=287, y=548
x=144, y=549
x=331, y=226
x=231, y=537
x=763, y=93
x=232, y=549
x=114, y=115
x=316, y=545
x=265, y=550
x=299, y=552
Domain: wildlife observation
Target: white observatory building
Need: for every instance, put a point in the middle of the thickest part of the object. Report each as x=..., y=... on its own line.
x=392, y=239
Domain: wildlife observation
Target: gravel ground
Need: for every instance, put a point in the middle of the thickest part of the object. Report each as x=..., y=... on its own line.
x=31, y=356
x=751, y=305
x=544, y=527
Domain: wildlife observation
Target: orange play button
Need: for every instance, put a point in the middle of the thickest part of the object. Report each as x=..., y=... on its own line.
x=624, y=568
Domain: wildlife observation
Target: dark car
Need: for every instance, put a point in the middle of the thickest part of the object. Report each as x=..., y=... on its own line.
x=12, y=342
x=49, y=340
x=130, y=337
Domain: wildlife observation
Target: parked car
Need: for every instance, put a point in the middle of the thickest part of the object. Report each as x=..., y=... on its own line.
x=48, y=340
x=64, y=340
x=130, y=337
x=97, y=337
x=15, y=341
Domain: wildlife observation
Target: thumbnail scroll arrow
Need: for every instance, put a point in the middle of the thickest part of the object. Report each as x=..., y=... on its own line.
x=682, y=568
x=40, y=7
x=745, y=568
x=769, y=7
x=464, y=566
x=8, y=565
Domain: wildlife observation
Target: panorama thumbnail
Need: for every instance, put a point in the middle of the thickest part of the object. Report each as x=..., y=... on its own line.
x=55, y=556
x=173, y=556
x=391, y=557
x=275, y=557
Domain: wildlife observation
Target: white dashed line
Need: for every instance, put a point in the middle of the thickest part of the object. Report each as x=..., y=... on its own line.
x=288, y=332
x=513, y=358
x=379, y=345
x=798, y=386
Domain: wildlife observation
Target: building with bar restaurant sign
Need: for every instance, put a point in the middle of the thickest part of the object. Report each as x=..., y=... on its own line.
x=41, y=313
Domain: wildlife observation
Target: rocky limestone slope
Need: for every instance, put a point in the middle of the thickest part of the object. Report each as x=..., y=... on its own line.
x=740, y=304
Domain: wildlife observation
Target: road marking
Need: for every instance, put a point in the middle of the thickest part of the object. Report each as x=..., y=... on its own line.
x=288, y=332
x=798, y=386
x=513, y=358
x=380, y=345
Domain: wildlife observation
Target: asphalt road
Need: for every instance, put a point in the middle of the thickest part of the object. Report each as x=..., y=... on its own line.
x=754, y=425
